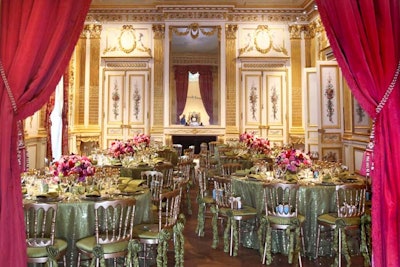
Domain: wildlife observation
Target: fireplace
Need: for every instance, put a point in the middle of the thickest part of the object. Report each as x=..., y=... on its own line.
x=196, y=140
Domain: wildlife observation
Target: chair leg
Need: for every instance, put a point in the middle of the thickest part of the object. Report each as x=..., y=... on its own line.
x=300, y=261
x=303, y=246
x=340, y=248
x=231, y=241
x=318, y=237
x=265, y=253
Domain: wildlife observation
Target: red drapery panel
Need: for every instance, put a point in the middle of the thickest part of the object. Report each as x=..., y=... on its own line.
x=181, y=86
x=205, y=84
x=37, y=40
x=47, y=121
x=364, y=36
x=206, y=89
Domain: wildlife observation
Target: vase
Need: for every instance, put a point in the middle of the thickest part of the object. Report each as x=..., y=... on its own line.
x=280, y=171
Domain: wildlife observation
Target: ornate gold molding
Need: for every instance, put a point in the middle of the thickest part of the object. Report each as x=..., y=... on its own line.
x=180, y=13
x=93, y=31
x=159, y=31
x=230, y=31
x=194, y=30
x=127, y=65
x=263, y=42
x=128, y=41
x=295, y=31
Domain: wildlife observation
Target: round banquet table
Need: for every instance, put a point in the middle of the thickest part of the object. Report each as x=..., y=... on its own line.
x=75, y=220
x=313, y=201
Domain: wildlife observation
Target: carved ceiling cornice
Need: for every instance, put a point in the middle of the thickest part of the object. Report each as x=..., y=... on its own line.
x=210, y=13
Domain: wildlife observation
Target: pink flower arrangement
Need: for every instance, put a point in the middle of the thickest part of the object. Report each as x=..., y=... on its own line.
x=141, y=140
x=73, y=165
x=257, y=144
x=293, y=159
x=119, y=148
x=247, y=138
x=261, y=145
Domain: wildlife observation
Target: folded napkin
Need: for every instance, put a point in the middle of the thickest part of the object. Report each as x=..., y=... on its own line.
x=242, y=172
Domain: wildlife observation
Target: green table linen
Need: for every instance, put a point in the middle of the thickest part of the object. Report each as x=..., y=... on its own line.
x=313, y=201
x=75, y=220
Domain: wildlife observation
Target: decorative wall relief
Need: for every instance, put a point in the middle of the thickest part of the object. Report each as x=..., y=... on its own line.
x=361, y=120
x=116, y=99
x=274, y=82
x=136, y=101
x=332, y=154
x=136, y=88
x=252, y=98
x=126, y=41
x=262, y=40
x=329, y=86
x=330, y=94
x=274, y=102
x=253, y=101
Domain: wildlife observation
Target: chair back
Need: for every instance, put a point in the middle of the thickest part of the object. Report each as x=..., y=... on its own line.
x=281, y=199
x=203, y=148
x=184, y=168
x=154, y=181
x=223, y=192
x=205, y=183
x=189, y=151
x=350, y=200
x=167, y=170
x=227, y=169
x=169, y=208
x=178, y=148
x=168, y=154
x=114, y=220
x=211, y=147
x=40, y=221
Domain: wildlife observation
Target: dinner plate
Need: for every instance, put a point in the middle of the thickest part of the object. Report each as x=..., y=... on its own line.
x=94, y=198
x=47, y=199
x=350, y=180
x=131, y=193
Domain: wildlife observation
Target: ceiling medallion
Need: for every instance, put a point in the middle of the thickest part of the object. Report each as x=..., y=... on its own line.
x=263, y=39
x=127, y=39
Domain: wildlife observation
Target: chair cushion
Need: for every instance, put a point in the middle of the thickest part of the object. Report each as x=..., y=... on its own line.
x=37, y=252
x=146, y=231
x=208, y=200
x=285, y=221
x=331, y=218
x=244, y=211
x=87, y=244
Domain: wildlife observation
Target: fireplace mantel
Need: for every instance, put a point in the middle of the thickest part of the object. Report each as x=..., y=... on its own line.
x=194, y=130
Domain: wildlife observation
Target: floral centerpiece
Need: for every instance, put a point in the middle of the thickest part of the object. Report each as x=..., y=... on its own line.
x=141, y=141
x=293, y=160
x=120, y=148
x=255, y=144
x=81, y=166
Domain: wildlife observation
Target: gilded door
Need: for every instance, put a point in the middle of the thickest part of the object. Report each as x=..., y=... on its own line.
x=126, y=104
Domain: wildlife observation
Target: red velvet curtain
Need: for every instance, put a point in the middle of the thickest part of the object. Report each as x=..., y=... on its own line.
x=205, y=84
x=181, y=86
x=37, y=40
x=206, y=89
x=364, y=36
x=47, y=121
